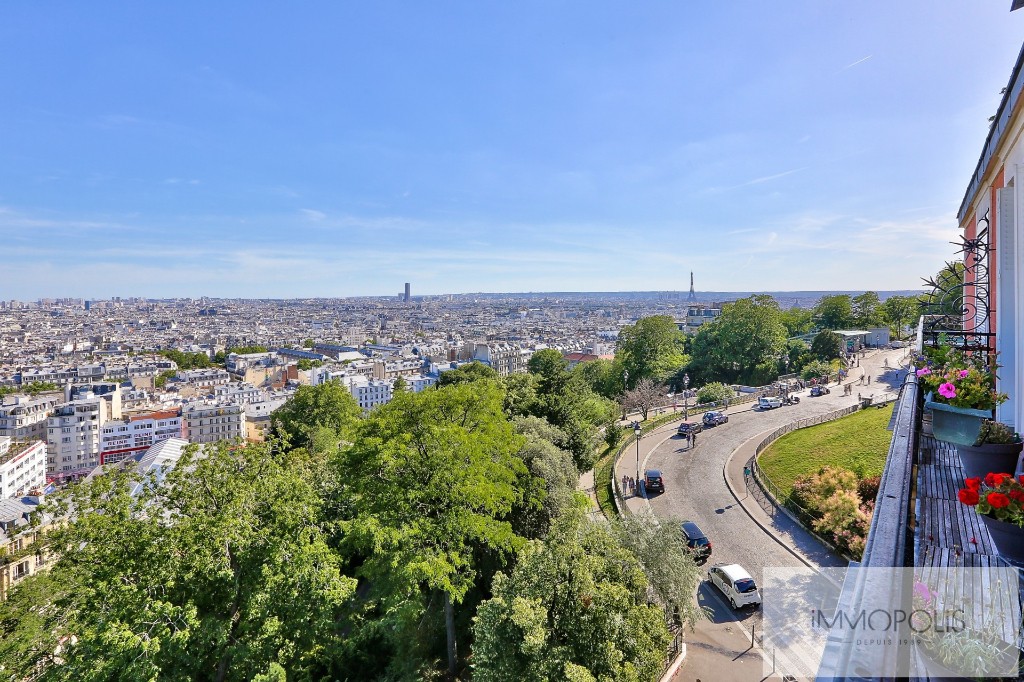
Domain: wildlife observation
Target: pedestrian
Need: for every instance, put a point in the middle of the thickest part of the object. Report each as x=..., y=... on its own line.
x=859, y=398
x=869, y=379
x=625, y=484
x=695, y=439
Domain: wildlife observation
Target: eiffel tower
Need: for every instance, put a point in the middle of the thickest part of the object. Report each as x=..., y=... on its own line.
x=693, y=297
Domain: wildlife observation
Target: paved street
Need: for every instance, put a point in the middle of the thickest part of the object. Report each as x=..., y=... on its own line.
x=696, y=489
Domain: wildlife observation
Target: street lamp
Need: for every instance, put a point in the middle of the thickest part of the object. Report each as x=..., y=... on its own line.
x=625, y=378
x=638, y=432
x=686, y=396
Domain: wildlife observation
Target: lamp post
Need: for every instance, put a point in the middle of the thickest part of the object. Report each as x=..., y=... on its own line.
x=638, y=432
x=686, y=396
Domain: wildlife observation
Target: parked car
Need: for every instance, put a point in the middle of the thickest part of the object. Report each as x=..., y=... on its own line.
x=819, y=390
x=687, y=428
x=769, y=402
x=715, y=418
x=653, y=482
x=736, y=584
x=696, y=541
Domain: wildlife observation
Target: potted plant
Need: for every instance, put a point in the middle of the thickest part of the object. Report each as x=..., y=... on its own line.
x=960, y=393
x=952, y=648
x=999, y=501
x=997, y=449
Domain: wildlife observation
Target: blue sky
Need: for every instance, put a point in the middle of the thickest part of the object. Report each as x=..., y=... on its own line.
x=335, y=149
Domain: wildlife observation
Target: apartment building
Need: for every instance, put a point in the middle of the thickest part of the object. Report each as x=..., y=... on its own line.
x=243, y=394
x=369, y=393
x=17, y=537
x=505, y=359
x=23, y=417
x=74, y=431
x=397, y=367
x=209, y=421
x=204, y=378
x=136, y=431
x=22, y=467
x=419, y=382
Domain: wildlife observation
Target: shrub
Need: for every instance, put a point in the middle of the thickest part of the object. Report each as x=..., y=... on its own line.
x=713, y=393
x=867, y=488
x=816, y=370
x=832, y=496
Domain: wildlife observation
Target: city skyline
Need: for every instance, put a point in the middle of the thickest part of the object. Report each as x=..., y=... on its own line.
x=342, y=151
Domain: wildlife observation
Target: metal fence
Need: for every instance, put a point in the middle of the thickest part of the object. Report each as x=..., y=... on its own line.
x=769, y=495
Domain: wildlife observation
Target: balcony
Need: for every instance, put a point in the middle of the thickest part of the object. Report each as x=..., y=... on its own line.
x=918, y=523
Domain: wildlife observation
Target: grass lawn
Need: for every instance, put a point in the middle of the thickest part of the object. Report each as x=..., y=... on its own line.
x=859, y=442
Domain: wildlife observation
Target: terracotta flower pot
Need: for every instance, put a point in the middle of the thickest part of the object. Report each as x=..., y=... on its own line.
x=979, y=460
x=1007, y=537
x=957, y=425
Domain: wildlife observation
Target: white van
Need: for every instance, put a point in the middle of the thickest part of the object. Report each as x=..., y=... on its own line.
x=736, y=584
x=769, y=402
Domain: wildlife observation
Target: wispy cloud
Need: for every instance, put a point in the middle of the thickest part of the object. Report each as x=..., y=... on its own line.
x=859, y=61
x=313, y=215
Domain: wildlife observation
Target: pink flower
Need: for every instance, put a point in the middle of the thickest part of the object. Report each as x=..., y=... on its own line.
x=947, y=390
x=964, y=373
x=923, y=371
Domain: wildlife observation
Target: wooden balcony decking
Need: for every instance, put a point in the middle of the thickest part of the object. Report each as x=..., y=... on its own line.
x=920, y=523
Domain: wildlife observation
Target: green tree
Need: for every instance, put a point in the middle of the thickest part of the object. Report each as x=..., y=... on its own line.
x=216, y=572
x=551, y=369
x=604, y=377
x=653, y=348
x=430, y=483
x=575, y=607
x=521, y=394
x=798, y=321
x=553, y=490
x=31, y=388
x=162, y=377
x=308, y=343
x=900, y=311
x=715, y=392
x=467, y=373
x=827, y=345
x=867, y=310
x=400, y=385
x=816, y=369
x=741, y=345
x=187, y=360
x=305, y=365
x=326, y=408
x=834, y=312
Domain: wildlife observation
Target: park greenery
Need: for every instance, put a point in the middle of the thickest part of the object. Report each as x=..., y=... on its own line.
x=31, y=388
x=832, y=471
x=414, y=541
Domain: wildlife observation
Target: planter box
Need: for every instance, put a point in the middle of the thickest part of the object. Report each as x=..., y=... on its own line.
x=1000, y=458
x=1008, y=539
x=957, y=425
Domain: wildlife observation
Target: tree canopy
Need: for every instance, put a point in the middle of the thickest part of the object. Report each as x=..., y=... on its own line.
x=653, y=348
x=827, y=345
x=742, y=345
x=314, y=409
x=217, y=572
x=834, y=312
x=574, y=608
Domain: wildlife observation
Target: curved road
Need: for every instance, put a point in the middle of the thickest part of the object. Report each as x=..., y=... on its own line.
x=695, y=490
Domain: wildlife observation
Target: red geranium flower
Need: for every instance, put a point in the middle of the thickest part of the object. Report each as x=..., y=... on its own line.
x=968, y=496
x=998, y=500
x=1017, y=495
x=973, y=483
x=996, y=480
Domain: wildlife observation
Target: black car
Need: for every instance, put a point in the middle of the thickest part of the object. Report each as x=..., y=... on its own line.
x=687, y=428
x=696, y=541
x=653, y=483
x=715, y=418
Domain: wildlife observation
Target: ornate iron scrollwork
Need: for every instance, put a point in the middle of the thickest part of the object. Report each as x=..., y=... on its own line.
x=958, y=304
